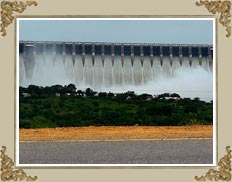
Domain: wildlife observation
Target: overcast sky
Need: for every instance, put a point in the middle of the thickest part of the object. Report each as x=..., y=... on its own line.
x=130, y=31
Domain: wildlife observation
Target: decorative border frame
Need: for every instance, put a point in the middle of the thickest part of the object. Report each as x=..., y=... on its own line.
x=7, y=169
x=223, y=170
x=8, y=8
x=222, y=8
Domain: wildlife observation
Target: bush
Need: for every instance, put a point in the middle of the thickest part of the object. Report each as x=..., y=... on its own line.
x=109, y=109
x=41, y=122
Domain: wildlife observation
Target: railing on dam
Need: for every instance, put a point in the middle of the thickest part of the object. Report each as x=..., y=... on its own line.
x=119, y=49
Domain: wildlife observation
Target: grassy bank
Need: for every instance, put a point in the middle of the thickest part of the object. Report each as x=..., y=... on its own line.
x=42, y=108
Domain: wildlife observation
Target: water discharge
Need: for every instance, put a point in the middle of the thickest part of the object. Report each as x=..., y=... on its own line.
x=152, y=77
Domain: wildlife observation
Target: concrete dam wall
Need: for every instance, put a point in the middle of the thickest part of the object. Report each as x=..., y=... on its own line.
x=101, y=65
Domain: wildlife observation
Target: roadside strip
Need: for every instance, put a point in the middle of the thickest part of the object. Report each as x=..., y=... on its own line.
x=115, y=140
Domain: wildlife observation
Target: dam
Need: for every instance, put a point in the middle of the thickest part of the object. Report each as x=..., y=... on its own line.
x=101, y=65
x=113, y=63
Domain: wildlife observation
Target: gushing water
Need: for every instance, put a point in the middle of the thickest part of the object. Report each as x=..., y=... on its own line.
x=160, y=77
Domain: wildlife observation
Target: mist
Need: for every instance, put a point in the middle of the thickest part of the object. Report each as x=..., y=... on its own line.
x=187, y=81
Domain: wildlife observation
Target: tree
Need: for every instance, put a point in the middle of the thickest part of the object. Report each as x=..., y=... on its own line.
x=110, y=94
x=196, y=99
x=21, y=91
x=89, y=92
x=80, y=93
x=164, y=95
x=102, y=94
x=71, y=88
x=175, y=95
x=34, y=90
x=107, y=108
x=57, y=89
x=145, y=96
x=130, y=94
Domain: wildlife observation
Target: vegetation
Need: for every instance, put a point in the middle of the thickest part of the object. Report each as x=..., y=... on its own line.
x=65, y=106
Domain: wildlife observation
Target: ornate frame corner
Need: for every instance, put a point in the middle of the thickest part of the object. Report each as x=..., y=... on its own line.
x=224, y=169
x=8, y=171
x=7, y=10
x=222, y=8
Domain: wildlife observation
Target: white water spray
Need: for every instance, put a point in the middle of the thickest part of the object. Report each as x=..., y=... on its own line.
x=188, y=81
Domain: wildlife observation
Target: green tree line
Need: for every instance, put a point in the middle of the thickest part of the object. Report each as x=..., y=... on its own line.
x=65, y=106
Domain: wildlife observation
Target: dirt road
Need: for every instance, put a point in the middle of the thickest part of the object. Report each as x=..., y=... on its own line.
x=116, y=132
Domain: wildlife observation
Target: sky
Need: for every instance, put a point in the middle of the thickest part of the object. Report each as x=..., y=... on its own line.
x=196, y=31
